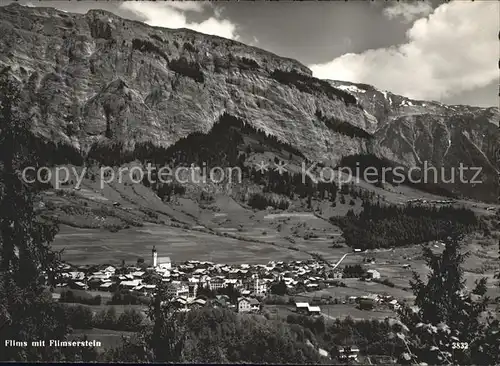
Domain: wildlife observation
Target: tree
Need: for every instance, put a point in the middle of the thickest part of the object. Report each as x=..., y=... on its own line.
x=279, y=288
x=28, y=312
x=230, y=291
x=204, y=291
x=168, y=334
x=497, y=275
x=446, y=326
x=130, y=320
x=480, y=288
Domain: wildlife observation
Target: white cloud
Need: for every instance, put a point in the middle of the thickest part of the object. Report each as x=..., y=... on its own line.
x=409, y=11
x=196, y=6
x=455, y=49
x=254, y=42
x=172, y=15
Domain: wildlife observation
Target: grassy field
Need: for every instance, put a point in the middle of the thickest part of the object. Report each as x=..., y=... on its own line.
x=332, y=312
x=89, y=246
x=120, y=309
x=359, y=288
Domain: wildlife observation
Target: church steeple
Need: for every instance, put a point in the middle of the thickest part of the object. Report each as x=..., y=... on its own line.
x=154, y=257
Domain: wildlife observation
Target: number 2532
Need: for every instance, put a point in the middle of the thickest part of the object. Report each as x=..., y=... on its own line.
x=460, y=345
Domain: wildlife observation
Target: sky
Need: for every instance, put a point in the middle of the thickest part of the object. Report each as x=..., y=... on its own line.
x=430, y=50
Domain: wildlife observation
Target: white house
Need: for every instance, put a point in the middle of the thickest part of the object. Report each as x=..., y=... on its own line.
x=164, y=263
x=243, y=305
x=178, y=289
x=349, y=353
x=75, y=275
x=257, y=286
x=314, y=310
x=394, y=304
x=301, y=306
x=81, y=285
x=216, y=283
x=247, y=304
x=109, y=269
x=130, y=284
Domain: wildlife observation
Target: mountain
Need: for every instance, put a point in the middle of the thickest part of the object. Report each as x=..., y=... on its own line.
x=92, y=80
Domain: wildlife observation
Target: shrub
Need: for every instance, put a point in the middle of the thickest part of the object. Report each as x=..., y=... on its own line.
x=79, y=317
x=86, y=299
x=260, y=202
x=188, y=46
x=311, y=85
x=106, y=319
x=245, y=63
x=129, y=320
x=147, y=46
x=190, y=69
x=158, y=38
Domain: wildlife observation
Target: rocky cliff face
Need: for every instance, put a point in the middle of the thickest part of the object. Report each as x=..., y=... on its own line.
x=97, y=78
x=412, y=132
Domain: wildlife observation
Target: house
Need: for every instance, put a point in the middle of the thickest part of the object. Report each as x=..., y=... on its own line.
x=164, y=263
x=337, y=274
x=301, y=307
x=180, y=302
x=193, y=288
x=221, y=301
x=233, y=282
x=323, y=353
x=107, y=286
x=246, y=305
x=374, y=274
x=366, y=303
x=198, y=303
x=178, y=289
x=254, y=304
x=95, y=283
x=314, y=310
x=75, y=275
x=110, y=269
x=312, y=286
x=216, y=283
x=80, y=286
x=394, y=305
x=348, y=353
x=129, y=285
x=149, y=289
x=257, y=286
x=138, y=274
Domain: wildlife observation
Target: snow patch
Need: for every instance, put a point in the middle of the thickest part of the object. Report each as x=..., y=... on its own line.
x=370, y=117
x=350, y=88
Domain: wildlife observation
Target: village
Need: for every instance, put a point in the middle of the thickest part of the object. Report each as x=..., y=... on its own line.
x=243, y=288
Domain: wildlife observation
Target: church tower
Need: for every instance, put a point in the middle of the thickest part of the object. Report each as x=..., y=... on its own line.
x=154, y=256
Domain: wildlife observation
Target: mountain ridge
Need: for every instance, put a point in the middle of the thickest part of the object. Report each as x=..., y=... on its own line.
x=96, y=78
